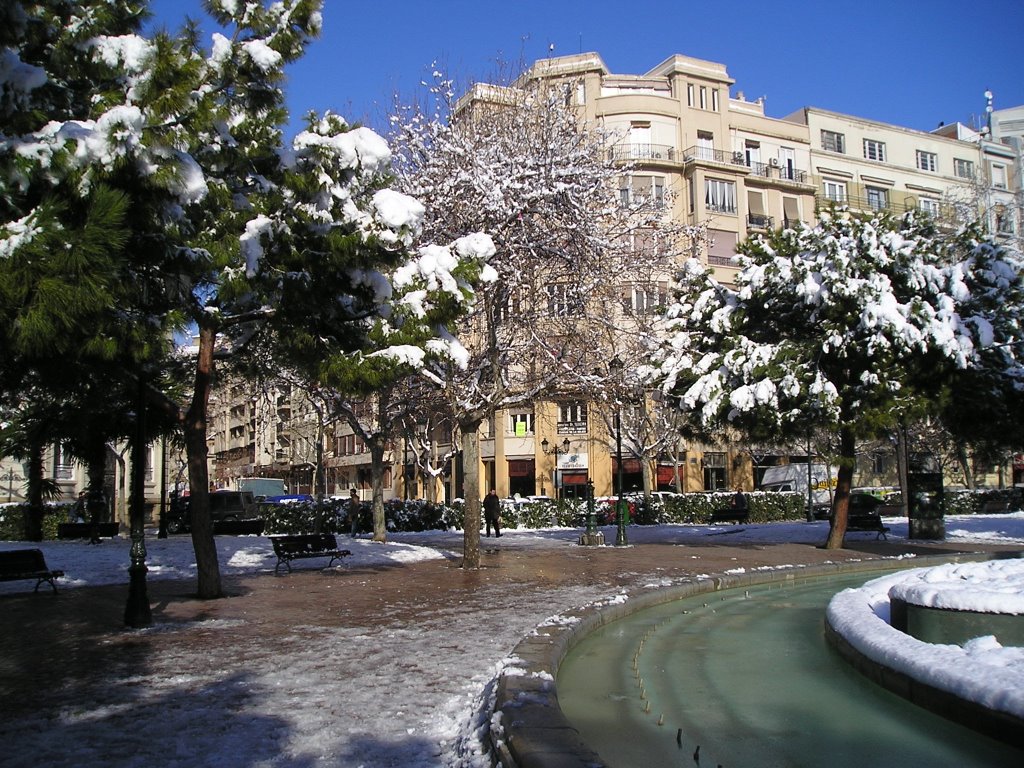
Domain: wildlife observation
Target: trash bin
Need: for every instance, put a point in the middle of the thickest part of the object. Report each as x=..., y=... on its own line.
x=925, y=506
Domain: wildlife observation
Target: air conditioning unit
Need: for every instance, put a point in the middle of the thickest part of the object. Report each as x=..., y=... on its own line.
x=774, y=162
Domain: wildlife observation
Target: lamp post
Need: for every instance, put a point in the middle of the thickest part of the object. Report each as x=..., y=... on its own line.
x=553, y=450
x=11, y=476
x=620, y=511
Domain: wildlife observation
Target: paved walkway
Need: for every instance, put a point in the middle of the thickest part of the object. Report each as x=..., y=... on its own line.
x=73, y=644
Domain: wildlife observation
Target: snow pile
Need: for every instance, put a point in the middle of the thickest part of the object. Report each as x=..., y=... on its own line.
x=994, y=587
x=982, y=671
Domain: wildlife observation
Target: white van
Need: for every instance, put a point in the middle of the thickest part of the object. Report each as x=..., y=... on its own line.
x=793, y=478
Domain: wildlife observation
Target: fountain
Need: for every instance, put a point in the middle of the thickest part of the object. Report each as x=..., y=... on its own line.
x=729, y=671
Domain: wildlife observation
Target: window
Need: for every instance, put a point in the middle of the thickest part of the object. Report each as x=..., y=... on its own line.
x=714, y=99
x=999, y=176
x=752, y=153
x=929, y=206
x=63, y=464
x=564, y=300
x=689, y=94
x=520, y=423
x=963, y=168
x=878, y=198
x=508, y=305
x=927, y=161
x=705, y=145
x=643, y=299
x=703, y=97
x=572, y=418
x=833, y=142
x=641, y=189
x=1004, y=220
x=874, y=150
x=720, y=196
x=835, y=191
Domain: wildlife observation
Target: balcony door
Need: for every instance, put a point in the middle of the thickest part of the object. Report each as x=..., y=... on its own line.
x=640, y=140
x=787, y=163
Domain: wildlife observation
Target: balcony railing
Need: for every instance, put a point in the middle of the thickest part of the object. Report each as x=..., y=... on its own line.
x=770, y=170
x=641, y=152
x=759, y=221
x=776, y=170
x=864, y=203
x=710, y=155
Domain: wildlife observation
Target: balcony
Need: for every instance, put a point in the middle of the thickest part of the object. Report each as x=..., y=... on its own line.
x=864, y=203
x=632, y=153
x=759, y=221
x=709, y=155
x=778, y=171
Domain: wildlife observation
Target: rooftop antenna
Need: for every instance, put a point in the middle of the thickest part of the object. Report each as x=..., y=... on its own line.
x=988, y=112
x=551, y=48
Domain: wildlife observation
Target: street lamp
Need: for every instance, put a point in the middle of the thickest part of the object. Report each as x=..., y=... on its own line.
x=11, y=476
x=553, y=450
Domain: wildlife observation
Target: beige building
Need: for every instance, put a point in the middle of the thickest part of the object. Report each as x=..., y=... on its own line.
x=681, y=137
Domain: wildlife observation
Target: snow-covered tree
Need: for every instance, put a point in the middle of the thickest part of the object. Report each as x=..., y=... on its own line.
x=846, y=324
x=219, y=225
x=518, y=164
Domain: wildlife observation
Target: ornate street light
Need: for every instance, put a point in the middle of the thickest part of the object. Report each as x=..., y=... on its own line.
x=553, y=450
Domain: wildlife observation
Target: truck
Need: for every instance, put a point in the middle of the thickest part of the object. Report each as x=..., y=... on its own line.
x=793, y=478
x=263, y=487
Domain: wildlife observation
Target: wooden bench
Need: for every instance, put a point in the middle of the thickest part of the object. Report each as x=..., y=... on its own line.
x=301, y=546
x=728, y=514
x=84, y=530
x=16, y=564
x=870, y=522
x=990, y=507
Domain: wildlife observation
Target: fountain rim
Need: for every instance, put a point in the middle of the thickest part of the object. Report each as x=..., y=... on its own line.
x=528, y=728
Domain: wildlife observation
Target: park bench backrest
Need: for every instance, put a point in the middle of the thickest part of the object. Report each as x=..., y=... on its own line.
x=22, y=561
x=323, y=542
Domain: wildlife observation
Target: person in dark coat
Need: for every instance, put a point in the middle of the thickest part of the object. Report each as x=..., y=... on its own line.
x=355, y=506
x=739, y=500
x=492, y=513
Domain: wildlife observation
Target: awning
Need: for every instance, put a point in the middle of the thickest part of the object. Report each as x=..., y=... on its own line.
x=574, y=478
x=628, y=465
x=520, y=467
x=791, y=209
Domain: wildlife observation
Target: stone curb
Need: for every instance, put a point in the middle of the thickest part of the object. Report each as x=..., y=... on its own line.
x=528, y=728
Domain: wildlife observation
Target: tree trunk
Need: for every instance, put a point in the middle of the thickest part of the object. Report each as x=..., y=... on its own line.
x=380, y=532
x=471, y=492
x=137, y=611
x=207, y=567
x=844, y=482
x=33, y=516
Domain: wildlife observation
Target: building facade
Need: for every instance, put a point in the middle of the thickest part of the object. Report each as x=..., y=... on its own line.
x=711, y=158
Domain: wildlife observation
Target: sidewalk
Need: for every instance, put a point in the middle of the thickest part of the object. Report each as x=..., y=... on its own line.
x=374, y=666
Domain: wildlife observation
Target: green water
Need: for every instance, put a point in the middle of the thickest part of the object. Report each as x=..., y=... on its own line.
x=747, y=676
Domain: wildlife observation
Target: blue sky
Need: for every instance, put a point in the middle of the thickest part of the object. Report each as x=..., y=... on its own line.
x=912, y=63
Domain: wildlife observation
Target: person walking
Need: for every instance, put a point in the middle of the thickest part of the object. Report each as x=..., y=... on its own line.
x=355, y=504
x=492, y=513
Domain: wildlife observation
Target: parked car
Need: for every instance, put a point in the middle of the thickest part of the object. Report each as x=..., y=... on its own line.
x=224, y=505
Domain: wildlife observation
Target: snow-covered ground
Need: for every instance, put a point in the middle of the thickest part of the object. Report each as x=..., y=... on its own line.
x=399, y=692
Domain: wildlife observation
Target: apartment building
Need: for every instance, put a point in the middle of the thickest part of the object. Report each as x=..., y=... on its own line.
x=872, y=166
x=683, y=139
